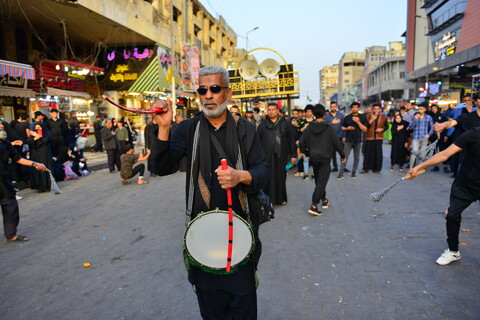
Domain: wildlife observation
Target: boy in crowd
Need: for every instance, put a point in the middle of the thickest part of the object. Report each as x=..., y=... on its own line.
x=128, y=159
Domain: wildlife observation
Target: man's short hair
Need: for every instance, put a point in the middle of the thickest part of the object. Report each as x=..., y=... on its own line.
x=127, y=147
x=256, y=109
x=37, y=113
x=206, y=71
x=354, y=104
x=319, y=111
x=23, y=116
x=308, y=107
x=54, y=110
x=376, y=105
x=333, y=102
x=272, y=104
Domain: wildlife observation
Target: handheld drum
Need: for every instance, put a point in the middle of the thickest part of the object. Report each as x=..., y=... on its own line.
x=219, y=240
x=206, y=240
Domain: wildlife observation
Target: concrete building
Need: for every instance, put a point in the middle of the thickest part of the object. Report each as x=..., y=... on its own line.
x=73, y=51
x=373, y=56
x=328, y=83
x=443, y=49
x=350, y=70
x=386, y=79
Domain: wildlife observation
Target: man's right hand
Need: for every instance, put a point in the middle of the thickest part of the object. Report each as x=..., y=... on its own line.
x=164, y=119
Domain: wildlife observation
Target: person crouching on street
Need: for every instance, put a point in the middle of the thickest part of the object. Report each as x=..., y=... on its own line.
x=318, y=143
x=8, y=201
x=128, y=159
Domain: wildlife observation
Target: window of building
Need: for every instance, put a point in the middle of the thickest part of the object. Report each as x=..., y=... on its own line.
x=402, y=74
x=176, y=14
x=346, y=72
x=196, y=30
x=346, y=81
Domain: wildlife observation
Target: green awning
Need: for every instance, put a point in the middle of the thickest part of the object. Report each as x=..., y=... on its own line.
x=152, y=79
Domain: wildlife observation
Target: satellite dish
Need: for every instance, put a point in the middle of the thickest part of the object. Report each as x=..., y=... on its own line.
x=269, y=68
x=248, y=69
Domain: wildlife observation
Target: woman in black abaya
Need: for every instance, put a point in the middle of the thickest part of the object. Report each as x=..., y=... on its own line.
x=40, y=152
x=399, y=141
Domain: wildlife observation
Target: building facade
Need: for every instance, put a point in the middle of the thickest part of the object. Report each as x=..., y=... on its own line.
x=328, y=83
x=386, y=79
x=350, y=69
x=129, y=49
x=443, y=49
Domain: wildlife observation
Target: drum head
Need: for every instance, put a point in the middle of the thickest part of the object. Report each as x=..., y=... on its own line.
x=206, y=239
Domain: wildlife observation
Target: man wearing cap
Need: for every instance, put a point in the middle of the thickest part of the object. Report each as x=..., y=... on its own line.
x=58, y=129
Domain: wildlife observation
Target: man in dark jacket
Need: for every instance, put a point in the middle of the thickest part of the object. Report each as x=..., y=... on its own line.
x=232, y=295
x=318, y=143
x=97, y=127
x=58, y=130
x=111, y=144
x=277, y=137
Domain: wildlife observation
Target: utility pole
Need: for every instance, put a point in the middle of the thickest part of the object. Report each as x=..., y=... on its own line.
x=172, y=52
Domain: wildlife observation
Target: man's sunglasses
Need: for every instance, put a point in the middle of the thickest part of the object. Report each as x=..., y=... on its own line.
x=216, y=88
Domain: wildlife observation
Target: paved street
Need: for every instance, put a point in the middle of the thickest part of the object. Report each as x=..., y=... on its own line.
x=359, y=260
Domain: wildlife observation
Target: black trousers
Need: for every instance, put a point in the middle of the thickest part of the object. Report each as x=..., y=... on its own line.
x=321, y=170
x=55, y=145
x=99, y=144
x=113, y=156
x=334, y=156
x=223, y=305
x=460, y=199
x=138, y=168
x=11, y=217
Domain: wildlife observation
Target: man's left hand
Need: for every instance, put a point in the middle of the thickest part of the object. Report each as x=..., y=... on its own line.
x=17, y=143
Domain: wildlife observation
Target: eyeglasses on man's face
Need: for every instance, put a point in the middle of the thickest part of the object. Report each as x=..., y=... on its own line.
x=216, y=88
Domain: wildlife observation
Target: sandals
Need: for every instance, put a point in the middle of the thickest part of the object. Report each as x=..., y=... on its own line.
x=125, y=182
x=18, y=238
x=144, y=182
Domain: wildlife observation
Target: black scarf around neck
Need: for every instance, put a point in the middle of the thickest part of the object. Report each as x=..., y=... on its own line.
x=278, y=134
x=202, y=167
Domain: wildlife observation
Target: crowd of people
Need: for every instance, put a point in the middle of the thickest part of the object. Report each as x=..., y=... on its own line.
x=409, y=129
x=260, y=151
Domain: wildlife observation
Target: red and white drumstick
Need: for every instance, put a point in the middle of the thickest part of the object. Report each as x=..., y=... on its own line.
x=230, y=220
x=153, y=110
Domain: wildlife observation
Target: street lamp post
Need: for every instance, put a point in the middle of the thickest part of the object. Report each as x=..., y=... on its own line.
x=246, y=37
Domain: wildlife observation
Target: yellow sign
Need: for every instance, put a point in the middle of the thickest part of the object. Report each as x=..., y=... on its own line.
x=285, y=83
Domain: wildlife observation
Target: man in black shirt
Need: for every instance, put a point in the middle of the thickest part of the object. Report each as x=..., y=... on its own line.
x=232, y=295
x=58, y=129
x=8, y=202
x=353, y=125
x=465, y=188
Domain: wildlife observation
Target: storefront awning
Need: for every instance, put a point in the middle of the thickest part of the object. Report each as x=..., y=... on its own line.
x=15, y=69
x=16, y=92
x=60, y=92
x=152, y=79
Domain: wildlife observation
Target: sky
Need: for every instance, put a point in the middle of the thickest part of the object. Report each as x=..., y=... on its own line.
x=312, y=34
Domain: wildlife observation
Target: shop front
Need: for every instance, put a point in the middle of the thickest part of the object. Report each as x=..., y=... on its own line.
x=14, y=95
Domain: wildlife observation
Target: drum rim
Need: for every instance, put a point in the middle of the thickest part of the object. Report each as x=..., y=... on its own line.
x=214, y=270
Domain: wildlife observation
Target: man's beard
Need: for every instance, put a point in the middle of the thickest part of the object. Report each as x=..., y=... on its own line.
x=213, y=112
